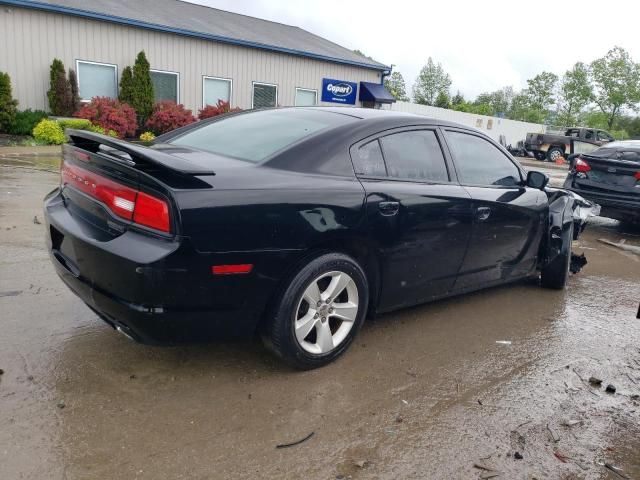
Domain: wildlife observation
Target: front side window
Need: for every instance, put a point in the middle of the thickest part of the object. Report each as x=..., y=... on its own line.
x=254, y=136
x=414, y=155
x=479, y=162
x=306, y=97
x=264, y=95
x=165, y=85
x=215, y=89
x=97, y=80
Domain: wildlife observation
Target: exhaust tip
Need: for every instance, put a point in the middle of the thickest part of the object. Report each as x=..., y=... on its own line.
x=125, y=333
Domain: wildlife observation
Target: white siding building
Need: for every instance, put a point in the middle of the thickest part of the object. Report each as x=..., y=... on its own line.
x=197, y=54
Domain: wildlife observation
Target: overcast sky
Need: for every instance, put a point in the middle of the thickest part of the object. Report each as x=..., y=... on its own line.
x=484, y=45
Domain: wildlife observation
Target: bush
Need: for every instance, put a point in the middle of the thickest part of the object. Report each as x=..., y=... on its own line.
x=167, y=116
x=102, y=131
x=63, y=95
x=74, y=93
x=220, y=108
x=142, y=96
x=7, y=103
x=75, y=123
x=126, y=86
x=49, y=132
x=26, y=121
x=59, y=93
x=110, y=114
x=147, y=137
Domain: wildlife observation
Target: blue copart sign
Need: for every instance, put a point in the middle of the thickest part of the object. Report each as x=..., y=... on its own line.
x=339, y=91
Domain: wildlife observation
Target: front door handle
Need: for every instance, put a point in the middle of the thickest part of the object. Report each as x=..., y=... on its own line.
x=389, y=208
x=483, y=213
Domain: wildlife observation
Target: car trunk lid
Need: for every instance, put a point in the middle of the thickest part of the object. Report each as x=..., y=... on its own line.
x=113, y=186
x=620, y=175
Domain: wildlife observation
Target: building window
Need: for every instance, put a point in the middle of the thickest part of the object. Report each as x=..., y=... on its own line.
x=215, y=89
x=165, y=85
x=265, y=95
x=306, y=97
x=97, y=79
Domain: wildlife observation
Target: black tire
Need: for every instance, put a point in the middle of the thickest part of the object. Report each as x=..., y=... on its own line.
x=279, y=332
x=554, y=153
x=539, y=155
x=555, y=274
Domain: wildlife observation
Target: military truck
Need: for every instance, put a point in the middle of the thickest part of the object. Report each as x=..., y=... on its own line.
x=550, y=147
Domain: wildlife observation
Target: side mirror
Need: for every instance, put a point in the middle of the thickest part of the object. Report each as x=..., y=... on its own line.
x=537, y=180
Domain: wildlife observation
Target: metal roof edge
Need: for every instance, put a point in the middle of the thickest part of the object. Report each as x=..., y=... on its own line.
x=179, y=31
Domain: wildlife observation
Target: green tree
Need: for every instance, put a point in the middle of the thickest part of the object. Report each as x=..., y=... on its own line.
x=457, y=99
x=431, y=81
x=74, y=92
x=8, y=105
x=59, y=91
x=630, y=124
x=500, y=100
x=143, y=96
x=126, y=86
x=616, y=80
x=396, y=86
x=522, y=109
x=541, y=91
x=574, y=94
x=443, y=100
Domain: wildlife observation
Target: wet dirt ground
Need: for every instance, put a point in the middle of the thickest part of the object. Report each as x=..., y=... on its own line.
x=433, y=392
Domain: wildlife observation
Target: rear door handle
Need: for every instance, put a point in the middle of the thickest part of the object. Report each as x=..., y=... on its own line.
x=483, y=213
x=389, y=208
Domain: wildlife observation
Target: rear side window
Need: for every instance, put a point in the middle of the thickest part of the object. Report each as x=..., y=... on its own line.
x=478, y=162
x=257, y=135
x=368, y=160
x=414, y=155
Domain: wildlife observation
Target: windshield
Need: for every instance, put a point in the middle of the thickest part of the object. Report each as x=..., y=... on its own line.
x=257, y=135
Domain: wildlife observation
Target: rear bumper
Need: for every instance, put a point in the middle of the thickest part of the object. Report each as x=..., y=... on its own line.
x=159, y=291
x=619, y=207
x=159, y=325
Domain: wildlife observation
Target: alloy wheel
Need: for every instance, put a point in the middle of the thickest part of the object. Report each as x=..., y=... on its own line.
x=326, y=313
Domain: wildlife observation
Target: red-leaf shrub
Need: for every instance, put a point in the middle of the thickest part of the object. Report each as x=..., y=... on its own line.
x=110, y=114
x=222, y=107
x=167, y=116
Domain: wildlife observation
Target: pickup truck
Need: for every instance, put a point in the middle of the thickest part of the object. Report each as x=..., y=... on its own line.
x=551, y=147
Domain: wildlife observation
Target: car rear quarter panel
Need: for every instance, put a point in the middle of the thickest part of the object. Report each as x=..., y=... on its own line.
x=266, y=209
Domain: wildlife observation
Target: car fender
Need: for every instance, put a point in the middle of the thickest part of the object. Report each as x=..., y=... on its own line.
x=565, y=208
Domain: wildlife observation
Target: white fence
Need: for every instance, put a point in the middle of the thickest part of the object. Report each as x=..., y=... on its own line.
x=512, y=130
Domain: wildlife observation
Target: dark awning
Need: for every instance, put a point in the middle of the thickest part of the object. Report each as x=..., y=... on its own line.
x=374, y=92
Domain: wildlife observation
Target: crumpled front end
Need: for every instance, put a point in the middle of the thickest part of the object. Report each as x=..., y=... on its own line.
x=566, y=210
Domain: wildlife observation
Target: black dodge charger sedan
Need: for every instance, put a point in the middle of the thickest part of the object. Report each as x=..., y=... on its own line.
x=296, y=223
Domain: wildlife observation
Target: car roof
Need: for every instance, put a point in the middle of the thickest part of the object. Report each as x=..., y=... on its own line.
x=378, y=114
x=624, y=145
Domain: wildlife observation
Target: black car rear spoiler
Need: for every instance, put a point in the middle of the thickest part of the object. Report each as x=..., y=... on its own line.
x=139, y=155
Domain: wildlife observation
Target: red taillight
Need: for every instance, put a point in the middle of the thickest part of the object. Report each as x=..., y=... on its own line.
x=582, y=166
x=125, y=202
x=232, y=269
x=152, y=212
x=637, y=176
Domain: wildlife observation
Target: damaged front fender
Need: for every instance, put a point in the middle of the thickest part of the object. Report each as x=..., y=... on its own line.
x=566, y=210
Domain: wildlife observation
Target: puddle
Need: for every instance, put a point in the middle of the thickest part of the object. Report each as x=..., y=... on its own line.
x=38, y=162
